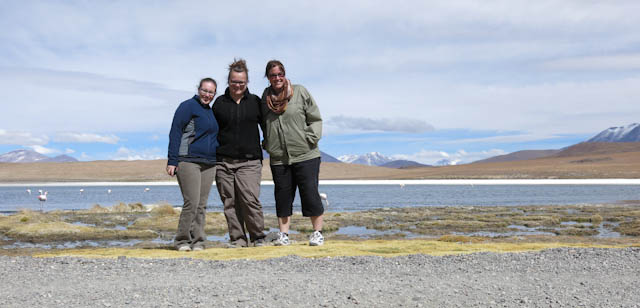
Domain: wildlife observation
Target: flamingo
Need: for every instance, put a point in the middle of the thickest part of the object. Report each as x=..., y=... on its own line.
x=323, y=196
x=108, y=191
x=401, y=185
x=81, y=190
x=29, y=191
x=43, y=198
x=147, y=189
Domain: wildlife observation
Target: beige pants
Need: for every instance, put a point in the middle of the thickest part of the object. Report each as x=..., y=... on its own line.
x=238, y=182
x=195, y=181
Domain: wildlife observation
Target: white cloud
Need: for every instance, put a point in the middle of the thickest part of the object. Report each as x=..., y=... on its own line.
x=503, y=139
x=69, y=151
x=124, y=153
x=623, y=62
x=381, y=125
x=85, y=138
x=22, y=138
x=43, y=150
x=541, y=67
x=430, y=157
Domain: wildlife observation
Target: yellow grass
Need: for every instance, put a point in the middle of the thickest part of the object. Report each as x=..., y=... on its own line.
x=62, y=231
x=384, y=248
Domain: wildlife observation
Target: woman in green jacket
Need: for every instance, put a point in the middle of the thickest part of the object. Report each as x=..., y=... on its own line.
x=292, y=129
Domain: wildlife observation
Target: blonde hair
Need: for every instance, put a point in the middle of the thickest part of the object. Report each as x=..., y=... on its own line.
x=238, y=66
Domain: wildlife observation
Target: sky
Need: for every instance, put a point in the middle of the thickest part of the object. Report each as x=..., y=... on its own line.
x=418, y=80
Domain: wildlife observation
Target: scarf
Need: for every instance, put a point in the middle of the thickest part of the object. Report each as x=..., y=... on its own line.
x=278, y=102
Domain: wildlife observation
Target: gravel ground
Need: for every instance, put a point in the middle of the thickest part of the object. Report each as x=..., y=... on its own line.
x=565, y=277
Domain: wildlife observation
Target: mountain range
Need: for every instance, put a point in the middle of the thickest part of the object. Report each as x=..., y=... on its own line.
x=629, y=133
x=380, y=160
x=29, y=156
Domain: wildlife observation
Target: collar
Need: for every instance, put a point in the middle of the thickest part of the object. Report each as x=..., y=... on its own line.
x=244, y=95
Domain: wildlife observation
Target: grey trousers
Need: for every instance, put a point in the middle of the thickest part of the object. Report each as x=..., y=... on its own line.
x=195, y=182
x=238, y=182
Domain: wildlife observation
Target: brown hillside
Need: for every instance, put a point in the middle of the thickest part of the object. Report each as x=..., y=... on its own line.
x=580, y=161
x=595, y=148
x=519, y=155
x=154, y=170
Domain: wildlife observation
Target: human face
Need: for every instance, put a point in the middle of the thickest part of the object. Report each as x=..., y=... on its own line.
x=206, y=92
x=238, y=83
x=276, y=78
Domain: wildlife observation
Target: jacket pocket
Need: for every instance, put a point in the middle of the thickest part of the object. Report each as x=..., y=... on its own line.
x=298, y=144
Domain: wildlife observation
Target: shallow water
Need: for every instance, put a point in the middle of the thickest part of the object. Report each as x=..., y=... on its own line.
x=341, y=197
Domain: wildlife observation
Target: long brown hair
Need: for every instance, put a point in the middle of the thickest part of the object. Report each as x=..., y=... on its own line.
x=271, y=64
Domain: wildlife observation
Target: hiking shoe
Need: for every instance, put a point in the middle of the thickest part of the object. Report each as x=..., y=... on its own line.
x=316, y=239
x=237, y=244
x=198, y=248
x=258, y=243
x=184, y=248
x=283, y=239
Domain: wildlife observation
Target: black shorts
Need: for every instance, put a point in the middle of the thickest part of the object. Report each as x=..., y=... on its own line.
x=304, y=176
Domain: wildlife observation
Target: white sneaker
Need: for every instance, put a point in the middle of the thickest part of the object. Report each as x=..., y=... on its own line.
x=283, y=239
x=184, y=248
x=316, y=239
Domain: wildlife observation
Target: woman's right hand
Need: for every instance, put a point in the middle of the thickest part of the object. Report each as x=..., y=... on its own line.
x=171, y=170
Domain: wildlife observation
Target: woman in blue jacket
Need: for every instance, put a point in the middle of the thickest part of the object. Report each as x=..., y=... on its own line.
x=192, y=157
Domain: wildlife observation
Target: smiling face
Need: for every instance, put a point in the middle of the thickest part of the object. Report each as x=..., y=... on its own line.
x=206, y=92
x=237, y=83
x=276, y=78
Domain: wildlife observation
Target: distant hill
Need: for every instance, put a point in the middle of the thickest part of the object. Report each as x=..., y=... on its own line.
x=598, y=148
x=379, y=160
x=60, y=159
x=519, y=155
x=369, y=159
x=403, y=164
x=629, y=133
x=324, y=157
x=29, y=156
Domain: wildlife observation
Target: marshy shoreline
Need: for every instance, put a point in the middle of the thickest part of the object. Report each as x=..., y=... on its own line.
x=138, y=226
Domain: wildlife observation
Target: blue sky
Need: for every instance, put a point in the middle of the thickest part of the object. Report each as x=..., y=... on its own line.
x=420, y=80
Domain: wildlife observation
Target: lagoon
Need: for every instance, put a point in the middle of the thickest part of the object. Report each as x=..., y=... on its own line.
x=343, y=195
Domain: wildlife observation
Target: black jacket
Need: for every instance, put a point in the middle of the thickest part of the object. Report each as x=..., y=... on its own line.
x=238, y=136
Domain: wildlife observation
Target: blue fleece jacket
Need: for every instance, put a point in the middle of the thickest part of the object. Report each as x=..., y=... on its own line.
x=194, y=134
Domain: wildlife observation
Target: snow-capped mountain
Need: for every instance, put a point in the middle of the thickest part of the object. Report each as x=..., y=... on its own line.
x=629, y=133
x=445, y=162
x=28, y=156
x=369, y=159
x=22, y=156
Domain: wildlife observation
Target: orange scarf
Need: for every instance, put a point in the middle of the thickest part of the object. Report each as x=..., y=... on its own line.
x=278, y=102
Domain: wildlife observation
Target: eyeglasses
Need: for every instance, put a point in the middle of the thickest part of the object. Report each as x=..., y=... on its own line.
x=207, y=91
x=271, y=76
x=238, y=82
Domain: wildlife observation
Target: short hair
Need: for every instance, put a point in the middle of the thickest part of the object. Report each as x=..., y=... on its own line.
x=271, y=64
x=238, y=66
x=208, y=79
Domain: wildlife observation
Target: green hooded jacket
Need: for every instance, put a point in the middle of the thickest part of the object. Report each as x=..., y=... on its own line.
x=292, y=137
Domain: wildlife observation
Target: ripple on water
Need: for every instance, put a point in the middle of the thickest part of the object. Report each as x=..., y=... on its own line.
x=367, y=233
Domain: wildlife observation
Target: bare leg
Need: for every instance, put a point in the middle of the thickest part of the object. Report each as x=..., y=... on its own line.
x=284, y=222
x=316, y=221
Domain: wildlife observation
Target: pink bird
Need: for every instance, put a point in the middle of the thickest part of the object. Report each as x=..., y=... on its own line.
x=42, y=197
